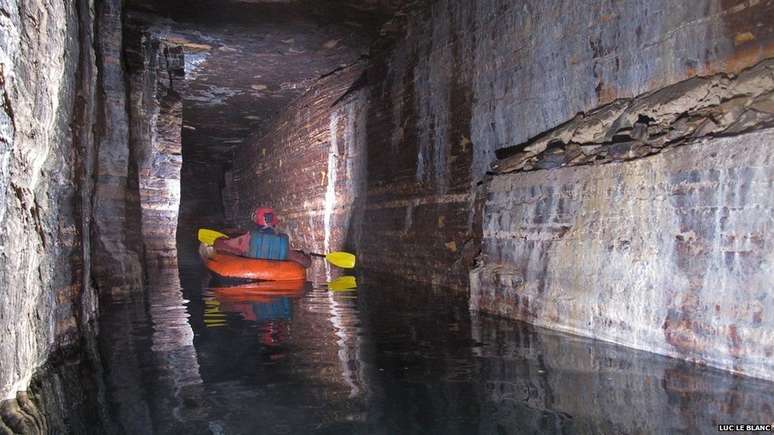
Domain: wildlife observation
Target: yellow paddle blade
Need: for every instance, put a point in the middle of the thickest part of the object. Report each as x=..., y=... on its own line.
x=342, y=283
x=208, y=237
x=345, y=260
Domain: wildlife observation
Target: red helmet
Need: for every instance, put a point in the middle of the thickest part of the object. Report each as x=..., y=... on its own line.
x=265, y=217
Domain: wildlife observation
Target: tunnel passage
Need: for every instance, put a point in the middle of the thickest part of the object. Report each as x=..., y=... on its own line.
x=393, y=138
x=601, y=168
x=233, y=69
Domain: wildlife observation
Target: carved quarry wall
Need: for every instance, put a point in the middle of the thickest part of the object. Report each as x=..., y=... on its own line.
x=69, y=202
x=610, y=252
x=309, y=165
x=668, y=253
x=116, y=233
x=42, y=251
x=48, y=72
x=464, y=80
x=462, y=128
x=156, y=80
x=659, y=239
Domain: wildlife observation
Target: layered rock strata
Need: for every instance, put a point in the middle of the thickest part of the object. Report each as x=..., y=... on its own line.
x=44, y=259
x=156, y=82
x=631, y=128
x=117, y=217
x=652, y=229
x=309, y=165
x=69, y=199
x=640, y=92
x=464, y=83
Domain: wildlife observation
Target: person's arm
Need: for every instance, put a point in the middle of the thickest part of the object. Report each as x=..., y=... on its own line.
x=300, y=257
x=235, y=245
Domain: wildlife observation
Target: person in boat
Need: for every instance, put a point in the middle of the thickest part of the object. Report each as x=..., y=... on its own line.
x=265, y=241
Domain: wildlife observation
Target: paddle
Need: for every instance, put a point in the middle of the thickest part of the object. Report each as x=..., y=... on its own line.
x=343, y=283
x=208, y=237
x=344, y=260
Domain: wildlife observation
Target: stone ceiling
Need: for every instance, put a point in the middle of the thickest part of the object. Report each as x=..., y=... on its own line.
x=247, y=59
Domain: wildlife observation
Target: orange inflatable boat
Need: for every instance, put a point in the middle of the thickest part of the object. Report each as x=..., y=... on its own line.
x=231, y=266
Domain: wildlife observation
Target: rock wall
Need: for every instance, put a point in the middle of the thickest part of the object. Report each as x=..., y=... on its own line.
x=459, y=90
x=156, y=78
x=668, y=253
x=42, y=260
x=65, y=183
x=309, y=166
x=664, y=249
x=116, y=231
x=66, y=396
x=467, y=85
x=465, y=80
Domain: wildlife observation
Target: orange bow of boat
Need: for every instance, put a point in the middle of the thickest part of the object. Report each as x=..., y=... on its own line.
x=231, y=266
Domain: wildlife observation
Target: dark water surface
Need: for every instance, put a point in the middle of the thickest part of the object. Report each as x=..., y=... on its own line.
x=388, y=358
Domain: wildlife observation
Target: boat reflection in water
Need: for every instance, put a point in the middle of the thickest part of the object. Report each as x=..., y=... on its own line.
x=256, y=302
x=269, y=304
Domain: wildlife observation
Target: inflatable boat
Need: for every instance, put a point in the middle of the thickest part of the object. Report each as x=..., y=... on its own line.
x=231, y=266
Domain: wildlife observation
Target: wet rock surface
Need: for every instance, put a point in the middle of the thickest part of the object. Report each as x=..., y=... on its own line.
x=117, y=217
x=65, y=175
x=629, y=129
x=310, y=163
x=667, y=253
x=66, y=396
x=457, y=82
x=156, y=75
x=44, y=300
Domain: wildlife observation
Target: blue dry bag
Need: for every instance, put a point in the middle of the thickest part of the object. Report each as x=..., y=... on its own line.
x=269, y=245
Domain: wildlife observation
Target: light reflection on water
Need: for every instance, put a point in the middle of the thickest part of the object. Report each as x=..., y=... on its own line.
x=388, y=358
